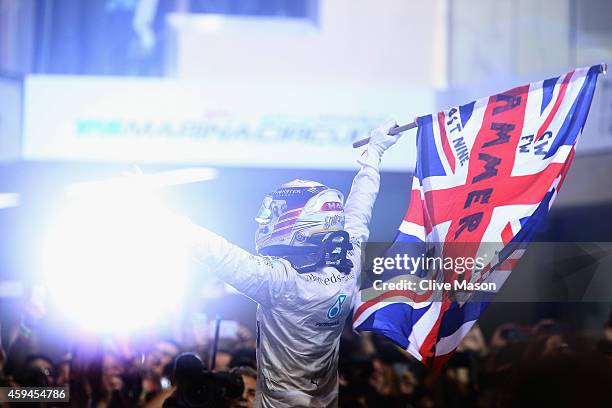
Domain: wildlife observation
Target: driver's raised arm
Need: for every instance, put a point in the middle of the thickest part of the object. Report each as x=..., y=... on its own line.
x=359, y=204
x=262, y=279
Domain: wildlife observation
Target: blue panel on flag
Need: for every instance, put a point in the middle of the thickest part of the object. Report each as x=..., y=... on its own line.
x=529, y=226
x=395, y=321
x=429, y=163
x=465, y=111
x=548, y=88
x=576, y=117
x=414, y=249
x=456, y=316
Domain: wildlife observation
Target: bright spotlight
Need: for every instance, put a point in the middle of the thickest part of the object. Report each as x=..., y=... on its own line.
x=114, y=260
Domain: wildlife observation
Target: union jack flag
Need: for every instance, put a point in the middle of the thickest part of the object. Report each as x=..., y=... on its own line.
x=487, y=174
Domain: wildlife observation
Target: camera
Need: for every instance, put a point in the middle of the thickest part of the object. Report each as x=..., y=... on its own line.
x=197, y=387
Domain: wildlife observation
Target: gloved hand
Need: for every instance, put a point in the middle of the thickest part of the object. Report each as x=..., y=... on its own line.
x=380, y=140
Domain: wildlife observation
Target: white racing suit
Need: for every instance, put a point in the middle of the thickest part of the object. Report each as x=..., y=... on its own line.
x=300, y=316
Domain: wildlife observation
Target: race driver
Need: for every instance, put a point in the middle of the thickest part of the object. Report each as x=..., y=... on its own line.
x=304, y=278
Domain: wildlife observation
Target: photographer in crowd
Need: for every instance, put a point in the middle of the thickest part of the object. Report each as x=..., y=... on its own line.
x=546, y=364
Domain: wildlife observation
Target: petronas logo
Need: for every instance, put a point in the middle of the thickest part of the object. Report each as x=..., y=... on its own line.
x=335, y=309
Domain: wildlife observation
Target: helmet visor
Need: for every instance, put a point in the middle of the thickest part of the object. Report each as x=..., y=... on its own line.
x=264, y=216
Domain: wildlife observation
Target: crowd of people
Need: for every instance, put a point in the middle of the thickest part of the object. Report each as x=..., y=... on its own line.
x=541, y=365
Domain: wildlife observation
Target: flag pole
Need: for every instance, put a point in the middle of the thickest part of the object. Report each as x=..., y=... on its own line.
x=603, y=69
x=393, y=131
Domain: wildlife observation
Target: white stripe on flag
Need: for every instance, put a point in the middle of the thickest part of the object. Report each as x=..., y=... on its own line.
x=421, y=329
x=448, y=344
x=410, y=228
x=387, y=302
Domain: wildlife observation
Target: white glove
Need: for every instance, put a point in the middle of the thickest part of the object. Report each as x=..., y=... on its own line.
x=381, y=140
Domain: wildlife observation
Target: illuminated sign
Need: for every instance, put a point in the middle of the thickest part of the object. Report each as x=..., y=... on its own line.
x=222, y=122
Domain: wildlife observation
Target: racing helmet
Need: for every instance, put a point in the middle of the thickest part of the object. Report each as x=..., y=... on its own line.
x=297, y=216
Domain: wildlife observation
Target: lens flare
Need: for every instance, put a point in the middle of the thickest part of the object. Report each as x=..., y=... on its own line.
x=114, y=259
